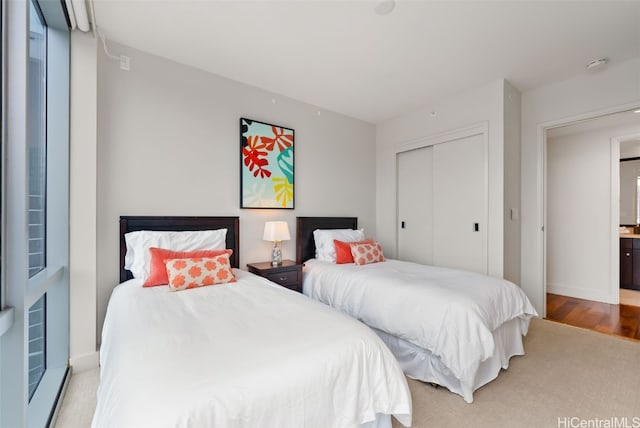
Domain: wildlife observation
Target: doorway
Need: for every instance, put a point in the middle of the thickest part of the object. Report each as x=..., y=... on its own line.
x=582, y=218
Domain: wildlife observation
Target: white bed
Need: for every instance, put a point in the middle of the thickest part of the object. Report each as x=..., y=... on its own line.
x=454, y=328
x=243, y=354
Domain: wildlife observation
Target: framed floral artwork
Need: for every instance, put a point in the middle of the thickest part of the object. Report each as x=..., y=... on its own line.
x=266, y=165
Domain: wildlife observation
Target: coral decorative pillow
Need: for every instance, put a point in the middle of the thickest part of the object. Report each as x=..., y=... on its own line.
x=199, y=272
x=158, y=270
x=343, y=250
x=367, y=253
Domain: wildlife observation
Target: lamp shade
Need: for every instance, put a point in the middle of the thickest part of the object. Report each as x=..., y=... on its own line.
x=276, y=231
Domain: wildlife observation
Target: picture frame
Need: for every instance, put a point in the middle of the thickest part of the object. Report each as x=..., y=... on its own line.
x=267, y=165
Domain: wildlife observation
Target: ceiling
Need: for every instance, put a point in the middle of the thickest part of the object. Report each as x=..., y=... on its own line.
x=342, y=56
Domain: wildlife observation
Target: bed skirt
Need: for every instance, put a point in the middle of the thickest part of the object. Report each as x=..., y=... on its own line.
x=421, y=364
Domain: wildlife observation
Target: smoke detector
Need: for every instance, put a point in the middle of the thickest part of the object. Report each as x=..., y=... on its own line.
x=384, y=7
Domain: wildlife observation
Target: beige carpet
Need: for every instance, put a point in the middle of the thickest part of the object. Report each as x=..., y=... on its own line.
x=567, y=373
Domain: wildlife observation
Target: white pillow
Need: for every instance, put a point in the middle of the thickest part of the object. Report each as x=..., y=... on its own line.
x=326, y=249
x=137, y=259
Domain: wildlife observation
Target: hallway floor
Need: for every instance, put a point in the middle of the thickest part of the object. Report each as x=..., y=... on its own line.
x=619, y=320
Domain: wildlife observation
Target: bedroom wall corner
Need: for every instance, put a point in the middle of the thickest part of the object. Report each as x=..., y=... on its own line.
x=511, y=112
x=82, y=202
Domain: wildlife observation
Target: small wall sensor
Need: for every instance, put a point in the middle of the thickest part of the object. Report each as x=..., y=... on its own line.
x=597, y=63
x=125, y=63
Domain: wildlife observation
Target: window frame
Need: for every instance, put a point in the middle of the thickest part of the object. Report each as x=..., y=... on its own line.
x=20, y=291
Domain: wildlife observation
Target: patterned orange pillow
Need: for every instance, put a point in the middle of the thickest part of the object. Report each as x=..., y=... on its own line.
x=343, y=250
x=367, y=253
x=199, y=272
x=158, y=270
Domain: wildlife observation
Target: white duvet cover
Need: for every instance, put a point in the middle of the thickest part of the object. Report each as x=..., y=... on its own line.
x=244, y=354
x=450, y=313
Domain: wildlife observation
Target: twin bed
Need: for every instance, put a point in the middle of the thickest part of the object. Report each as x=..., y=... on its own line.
x=251, y=353
x=453, y=328
x=247, y=353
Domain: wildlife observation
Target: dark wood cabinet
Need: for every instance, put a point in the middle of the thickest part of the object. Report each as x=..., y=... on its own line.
x=289, y=274
x=630, y=263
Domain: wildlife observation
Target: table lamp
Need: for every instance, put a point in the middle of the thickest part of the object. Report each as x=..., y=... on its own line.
x=276, y=232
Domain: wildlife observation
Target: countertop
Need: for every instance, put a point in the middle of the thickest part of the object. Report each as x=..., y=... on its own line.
x=630, y=235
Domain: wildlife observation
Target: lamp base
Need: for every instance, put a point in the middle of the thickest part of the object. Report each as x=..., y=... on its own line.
x=276, y=254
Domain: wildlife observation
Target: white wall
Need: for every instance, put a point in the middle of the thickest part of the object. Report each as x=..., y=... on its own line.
x=82, y=202
x=511, y=114
x=579, y=215
x=582, y=96
x=168, y=144
x=480, y=105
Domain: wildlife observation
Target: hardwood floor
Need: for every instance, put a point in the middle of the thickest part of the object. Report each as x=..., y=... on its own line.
x=619, y=320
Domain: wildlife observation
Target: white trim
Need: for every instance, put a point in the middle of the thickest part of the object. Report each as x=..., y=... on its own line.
x=614, y=221
x=581, y=293
x=541, y=197
x=443, y=137
x=85, y=362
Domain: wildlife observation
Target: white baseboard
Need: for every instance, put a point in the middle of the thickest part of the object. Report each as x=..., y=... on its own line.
x=581, y=293
x=85, y=362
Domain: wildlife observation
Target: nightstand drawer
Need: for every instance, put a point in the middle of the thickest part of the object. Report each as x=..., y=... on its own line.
x=288, y=274
x=285, y=278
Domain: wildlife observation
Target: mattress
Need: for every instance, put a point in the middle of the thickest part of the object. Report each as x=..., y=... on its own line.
x=452, y=314
x=244, y=354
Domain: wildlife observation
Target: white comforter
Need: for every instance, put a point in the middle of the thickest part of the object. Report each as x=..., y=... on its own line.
x=245, y=354
x=449, y=312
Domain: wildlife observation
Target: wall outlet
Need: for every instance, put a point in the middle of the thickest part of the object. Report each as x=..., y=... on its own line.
x=125, y=63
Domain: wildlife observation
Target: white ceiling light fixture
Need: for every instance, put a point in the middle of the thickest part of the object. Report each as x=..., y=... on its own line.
x=384, y=7
x=597, y=63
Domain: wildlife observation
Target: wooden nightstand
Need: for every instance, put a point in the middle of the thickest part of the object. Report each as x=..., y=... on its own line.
x=288, y=274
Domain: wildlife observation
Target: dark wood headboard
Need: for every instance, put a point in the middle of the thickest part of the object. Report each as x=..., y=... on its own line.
x=305, y=245
x=133, y=223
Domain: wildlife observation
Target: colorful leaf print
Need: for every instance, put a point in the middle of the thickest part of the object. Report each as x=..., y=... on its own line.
x=283, y=190
x=266, y=153
x=285, y=163
x=280, y=139
x=253, y=154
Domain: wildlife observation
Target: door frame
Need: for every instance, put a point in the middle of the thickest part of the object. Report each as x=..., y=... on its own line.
x=481, y=129
x=542, y=191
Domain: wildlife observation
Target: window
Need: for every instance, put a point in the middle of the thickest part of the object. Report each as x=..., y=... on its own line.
x=37, y=142
x=37, y=138
x=34, y=335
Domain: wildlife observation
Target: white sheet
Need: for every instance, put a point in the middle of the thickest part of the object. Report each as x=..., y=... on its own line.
x=450, y=313
x=245, y=354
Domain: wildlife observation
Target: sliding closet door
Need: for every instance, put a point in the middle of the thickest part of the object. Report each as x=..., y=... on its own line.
x=415, y=205
x=459, y=198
